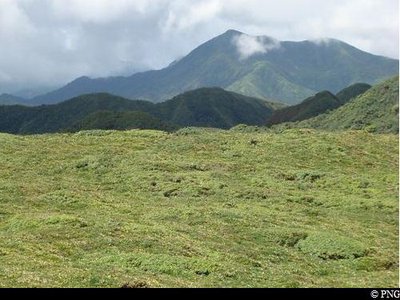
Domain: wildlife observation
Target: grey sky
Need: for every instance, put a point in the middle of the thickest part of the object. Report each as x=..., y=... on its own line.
x=51, y=42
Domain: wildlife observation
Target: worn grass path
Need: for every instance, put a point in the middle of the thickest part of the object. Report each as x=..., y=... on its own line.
x=199, y=208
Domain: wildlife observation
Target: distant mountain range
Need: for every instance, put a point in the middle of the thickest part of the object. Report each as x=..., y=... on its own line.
x=278, y=70
x=206, y=107
x=7, y=99
x=359, y=106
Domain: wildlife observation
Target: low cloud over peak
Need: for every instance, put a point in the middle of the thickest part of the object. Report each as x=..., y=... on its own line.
x=248, y=45
x=324, y=41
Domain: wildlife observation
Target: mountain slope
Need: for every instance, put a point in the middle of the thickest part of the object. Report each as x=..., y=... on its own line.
x=376, y=110
x=7, y=99
x=286, y=71
x=317, y=104
x=265, y=79
x=352, y=91
x=214, y=107
x=206, y=107
x=54, y=118
x=310, y=107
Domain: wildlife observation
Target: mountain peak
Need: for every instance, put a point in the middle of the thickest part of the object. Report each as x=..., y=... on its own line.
x=257, y=66
x=325, y=41
x=83, y=78
x=232, y=32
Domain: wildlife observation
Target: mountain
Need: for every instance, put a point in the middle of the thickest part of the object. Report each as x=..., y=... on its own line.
x=376, y=110
x=352, y=91
x=214, y=107
x=53, y=118
x=206, y=107
x=310, y=107
x=7, y=99
x=284, y=71
x=317, y=104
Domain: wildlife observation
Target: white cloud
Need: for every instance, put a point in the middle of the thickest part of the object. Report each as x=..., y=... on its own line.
x=248, y=45
x=372, y=25
x=99, y=11
x=13, y=17
x=323, y=41
x=4, y=77
x=183, y=14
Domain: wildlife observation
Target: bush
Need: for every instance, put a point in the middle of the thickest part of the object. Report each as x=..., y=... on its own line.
x=135, y=284
x=291, y=239
x=331, y=246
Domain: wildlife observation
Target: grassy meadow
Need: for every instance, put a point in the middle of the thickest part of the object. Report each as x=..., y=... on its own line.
x=199, y=208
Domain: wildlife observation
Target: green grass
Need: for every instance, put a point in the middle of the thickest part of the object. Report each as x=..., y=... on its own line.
x=199, y=208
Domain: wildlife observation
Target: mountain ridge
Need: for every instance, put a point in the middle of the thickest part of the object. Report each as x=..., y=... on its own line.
x=288, y=72
x=376, y=110
x=205, y=107
x=9, y=99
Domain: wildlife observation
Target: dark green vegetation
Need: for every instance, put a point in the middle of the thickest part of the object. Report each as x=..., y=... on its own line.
x=352, y=91
x=372, y=109
x=207, y=107
x=214, y=107
x=312, y=106
x=377, y=110
x=124, y=120
x=290, y=72
x=199, y=208
x=63, y=116
x=317, y=104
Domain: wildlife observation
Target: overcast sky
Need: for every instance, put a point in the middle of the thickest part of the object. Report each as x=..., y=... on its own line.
x=51, y=42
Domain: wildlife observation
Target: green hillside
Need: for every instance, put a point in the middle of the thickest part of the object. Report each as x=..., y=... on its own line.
x=60, y=117
x=206, y=107
x=310, y=107
x=376, y=110
x=199, y=208
x=352, y=91
x=265, y=80
x=214, y=107
x=317, y=104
